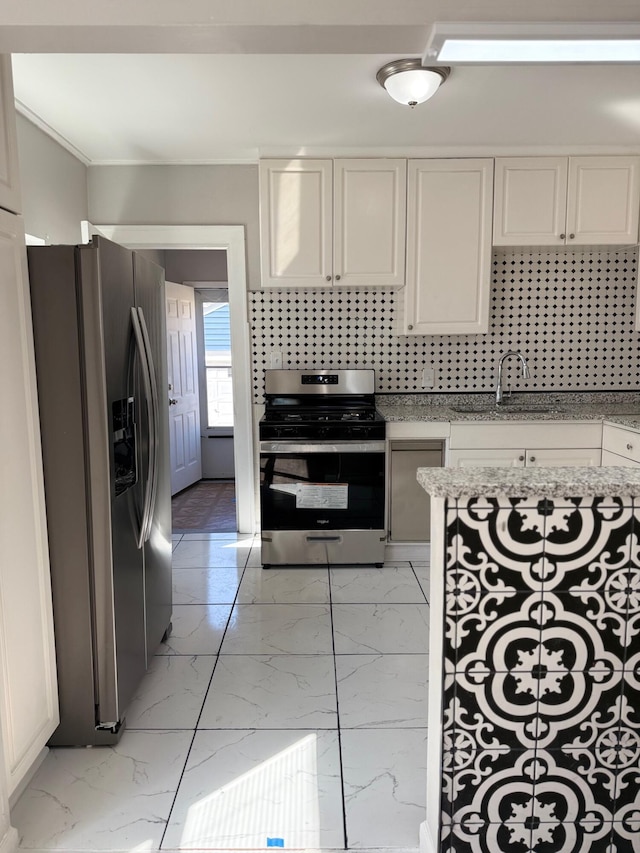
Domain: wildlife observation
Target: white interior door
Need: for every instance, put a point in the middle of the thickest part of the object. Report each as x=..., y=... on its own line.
x=184, y=401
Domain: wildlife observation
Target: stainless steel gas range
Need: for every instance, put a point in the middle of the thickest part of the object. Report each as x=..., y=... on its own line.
x=322, y=469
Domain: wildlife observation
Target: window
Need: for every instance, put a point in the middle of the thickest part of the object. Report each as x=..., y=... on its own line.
x=217, y=359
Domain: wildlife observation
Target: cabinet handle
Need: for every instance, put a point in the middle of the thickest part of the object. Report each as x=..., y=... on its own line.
x=532, y=459
x=629, y=446
x=572, y=236
x=337, y=278
x=563, y=236
x=410, y=328
x=328, y=278
x=520, y=458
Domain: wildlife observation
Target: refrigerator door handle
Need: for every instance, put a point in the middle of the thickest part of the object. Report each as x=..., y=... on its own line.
x=146, y=383
x=153, y=438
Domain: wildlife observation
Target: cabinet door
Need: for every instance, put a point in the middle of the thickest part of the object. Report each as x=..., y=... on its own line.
x=603, y=200
x=296, y=218
x=615, y=459
x=9, y=169
x=545, y=458
x=486, y=458
x=530, y=201
x=370, y=200
x=28, y=685
x=448, y=247
x=624, y=442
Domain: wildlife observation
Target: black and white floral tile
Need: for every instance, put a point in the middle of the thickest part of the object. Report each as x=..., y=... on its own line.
x=541, y=706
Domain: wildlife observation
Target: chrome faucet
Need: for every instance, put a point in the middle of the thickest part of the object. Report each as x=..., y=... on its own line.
x=525, y=373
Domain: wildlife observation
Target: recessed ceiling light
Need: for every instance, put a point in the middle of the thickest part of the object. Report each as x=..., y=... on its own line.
x=532, y=43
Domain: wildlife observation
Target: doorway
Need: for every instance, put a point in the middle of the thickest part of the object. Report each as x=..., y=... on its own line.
x=206, y=504
x=231, y=239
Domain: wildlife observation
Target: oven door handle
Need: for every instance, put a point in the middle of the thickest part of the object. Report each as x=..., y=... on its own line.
x=275, y=447
x=324, y=538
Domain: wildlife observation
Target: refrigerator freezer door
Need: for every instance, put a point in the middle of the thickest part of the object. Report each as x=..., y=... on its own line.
x=106, y=295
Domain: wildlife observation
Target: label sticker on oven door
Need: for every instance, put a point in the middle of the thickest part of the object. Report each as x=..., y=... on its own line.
x=322, y=496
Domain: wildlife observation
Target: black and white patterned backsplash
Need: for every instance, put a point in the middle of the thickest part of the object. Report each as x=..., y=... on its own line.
x=570, y=313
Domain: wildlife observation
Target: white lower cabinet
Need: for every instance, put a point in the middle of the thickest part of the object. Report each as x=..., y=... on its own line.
x=620, y=446
x=525, y=458
x=563, y=457
x=609, y=458
x=530, y=444
x=486, y=458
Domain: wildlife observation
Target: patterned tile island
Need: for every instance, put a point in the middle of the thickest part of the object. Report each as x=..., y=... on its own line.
x=534, y=716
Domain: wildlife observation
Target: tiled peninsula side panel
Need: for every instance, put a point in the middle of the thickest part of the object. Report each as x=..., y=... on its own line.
x=541, y=704
x=570, y=312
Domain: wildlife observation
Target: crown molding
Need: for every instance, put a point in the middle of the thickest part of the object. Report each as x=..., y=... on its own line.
x=45, y=127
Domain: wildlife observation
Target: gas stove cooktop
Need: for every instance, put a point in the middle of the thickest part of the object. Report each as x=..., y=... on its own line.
x=321, y=404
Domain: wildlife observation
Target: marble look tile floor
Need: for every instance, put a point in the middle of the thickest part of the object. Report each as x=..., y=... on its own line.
x=288, y=707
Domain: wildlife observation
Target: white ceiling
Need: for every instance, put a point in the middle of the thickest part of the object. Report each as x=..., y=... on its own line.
x=248, y=79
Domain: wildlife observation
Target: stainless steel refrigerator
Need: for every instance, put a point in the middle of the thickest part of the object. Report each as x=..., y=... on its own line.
x=99, y=330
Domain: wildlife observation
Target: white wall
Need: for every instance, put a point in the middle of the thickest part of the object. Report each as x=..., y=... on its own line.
x=54, y=186
x=180, y=195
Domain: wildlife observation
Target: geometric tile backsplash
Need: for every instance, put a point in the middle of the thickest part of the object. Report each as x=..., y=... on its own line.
x=570, y=313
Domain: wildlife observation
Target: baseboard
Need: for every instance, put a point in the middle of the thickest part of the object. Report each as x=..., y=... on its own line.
x=28, y=776
x=9, y=844
x=426, y=843
x=401, y=552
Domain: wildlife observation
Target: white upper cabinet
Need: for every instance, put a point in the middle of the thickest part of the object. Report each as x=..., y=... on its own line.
x=556, y=201
x=9, y=169
x=326, y=222
x=448, y=247
x=603, y=200
x=296, y=222
x=530, y=201
x=370, y=203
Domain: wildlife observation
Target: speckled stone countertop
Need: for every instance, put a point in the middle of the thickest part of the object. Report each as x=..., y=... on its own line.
x=621, y=408
x=529, y=482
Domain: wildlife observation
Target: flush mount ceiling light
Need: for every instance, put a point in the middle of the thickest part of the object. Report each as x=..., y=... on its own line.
x=409, y=82
x=532, y=43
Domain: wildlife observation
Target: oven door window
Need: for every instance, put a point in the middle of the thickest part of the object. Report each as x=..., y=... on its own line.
x=322, y=491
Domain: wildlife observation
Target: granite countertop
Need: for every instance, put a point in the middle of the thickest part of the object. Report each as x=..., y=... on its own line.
x=620, y=408
x=528, y=482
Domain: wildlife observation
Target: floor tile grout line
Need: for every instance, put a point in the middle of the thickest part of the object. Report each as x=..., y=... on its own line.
x=204, y=699
x=413, y=569
x=368, y=653
x=175, y=796
x=286, y=729
x=335, y=675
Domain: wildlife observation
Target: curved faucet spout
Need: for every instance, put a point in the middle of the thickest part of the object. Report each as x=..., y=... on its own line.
x=525, y=373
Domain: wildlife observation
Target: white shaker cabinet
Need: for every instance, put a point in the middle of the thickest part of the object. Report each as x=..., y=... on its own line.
x=620, y=446
x=557, y=201
x=9, y=170
x=529, y=444
x=326, y=222
x=28, y=684
x=370, y=209
x=296, y=223
x=449, y=207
